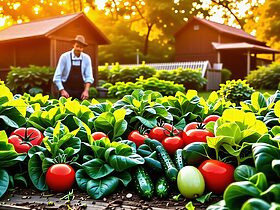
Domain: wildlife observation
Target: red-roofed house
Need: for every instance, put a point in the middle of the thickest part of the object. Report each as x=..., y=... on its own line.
x=42, y=42
x=201, y=39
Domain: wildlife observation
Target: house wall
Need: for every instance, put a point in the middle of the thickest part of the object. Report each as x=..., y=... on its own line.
x=23, y=54
x=194, y=45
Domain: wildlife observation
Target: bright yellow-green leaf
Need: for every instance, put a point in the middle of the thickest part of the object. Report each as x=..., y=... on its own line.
x=19, y=104
x=190, y=94
x=73, y=106
x=3, y=136
x=233, y=115
x=136, y=103
x=249, y=119
x=277, y=109
x=5, y=91
x=213, y=97
x=259, y=127
x=119, y=114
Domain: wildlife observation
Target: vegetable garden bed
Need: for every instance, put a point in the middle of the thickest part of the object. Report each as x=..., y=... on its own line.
x=153, y=152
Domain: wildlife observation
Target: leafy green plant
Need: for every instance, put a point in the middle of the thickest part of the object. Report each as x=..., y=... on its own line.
x=235, y=91
x=235, y=132
x=226, y=74
x=61, y=146
x=102, y=173
x=265, y=77
x=103, y=72
x=129, y=74
x=183, y=107
x=21, y=80
x=190, y=78
x=8, y=158
x=141, y=108
x=121, y=89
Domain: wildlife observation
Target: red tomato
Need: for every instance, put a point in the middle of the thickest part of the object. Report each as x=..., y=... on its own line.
x=137, y=137
x=98, y=135
x=157, y=133
x=193, y=125
x=170, y=129
x=211, y=118
x=217, y=175
x=197, y=135
x=172, y=143
x=60, y=177
x=24, y=138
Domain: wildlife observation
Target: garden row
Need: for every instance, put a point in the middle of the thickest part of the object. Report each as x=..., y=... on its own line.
x=53, y=144
x=121, y=80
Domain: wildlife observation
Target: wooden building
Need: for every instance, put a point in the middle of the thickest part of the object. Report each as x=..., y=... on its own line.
x=236, y=50
x=42, y=42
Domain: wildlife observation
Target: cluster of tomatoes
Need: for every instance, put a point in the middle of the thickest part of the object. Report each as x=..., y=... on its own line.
x=173, y=138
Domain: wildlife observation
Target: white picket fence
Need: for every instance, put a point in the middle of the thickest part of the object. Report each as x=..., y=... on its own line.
x=202, y=65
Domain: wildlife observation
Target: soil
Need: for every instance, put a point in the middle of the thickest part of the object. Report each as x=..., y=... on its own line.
x=122, y=200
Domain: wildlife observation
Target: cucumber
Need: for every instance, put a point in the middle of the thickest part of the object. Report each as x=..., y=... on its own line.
x=143, y=183
x=170, y=170
x=162, y=187
x=152, y=143
x=178, y=159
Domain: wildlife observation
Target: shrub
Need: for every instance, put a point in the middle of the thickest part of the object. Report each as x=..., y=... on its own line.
x=265, y=77
x=121, y=89
x=226, y=74
x=129, y=74
x=235, y=91
x=103, y=72
x=21, y=80
x=93, y=93
x=190, y=78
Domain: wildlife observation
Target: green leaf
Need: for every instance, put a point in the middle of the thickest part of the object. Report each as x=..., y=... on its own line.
x=121, y=163
x=272, y=194
x=9, y=122
x=195, y=153
x=221, y=205
x=97, y=189
x=124, y=177
x=277, y=109
x=258, y=100
x=20, y=178
x=276, y=167
x=260, y=181
x=82, y=179
x=35, y=172
x=148, y=122
x=4, y=182
x=97, y=168
x=263, y=155
x=204, y=198
x=244, y=172
x=189, y=206
x=229, y=129
x=255, y=203
x=239, y=192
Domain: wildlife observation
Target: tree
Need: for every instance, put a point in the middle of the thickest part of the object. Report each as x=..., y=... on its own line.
x=232, y=12
x=266, y=23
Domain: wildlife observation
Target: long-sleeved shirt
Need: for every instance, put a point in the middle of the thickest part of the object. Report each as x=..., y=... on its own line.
x=64, y=66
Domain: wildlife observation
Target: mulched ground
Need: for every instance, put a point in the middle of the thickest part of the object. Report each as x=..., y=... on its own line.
x=123, y=200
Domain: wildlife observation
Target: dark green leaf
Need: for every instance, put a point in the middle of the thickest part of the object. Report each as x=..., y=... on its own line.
x=244, y=172
x=4, y=181
x=239, y=192
x=100, y=188
x=35, y=172
x=256, y=204
x=97, y=168
x=82, y=179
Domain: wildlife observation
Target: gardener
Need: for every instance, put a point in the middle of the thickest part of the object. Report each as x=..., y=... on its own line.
x=73, y=74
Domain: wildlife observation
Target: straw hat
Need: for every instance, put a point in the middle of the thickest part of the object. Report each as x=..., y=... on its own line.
x=80, y=39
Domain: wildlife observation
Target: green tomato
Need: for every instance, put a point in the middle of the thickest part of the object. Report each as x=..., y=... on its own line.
x=190, y=182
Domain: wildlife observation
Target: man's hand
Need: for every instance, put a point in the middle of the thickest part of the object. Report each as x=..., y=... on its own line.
x=64, y=93
x=84, y=95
